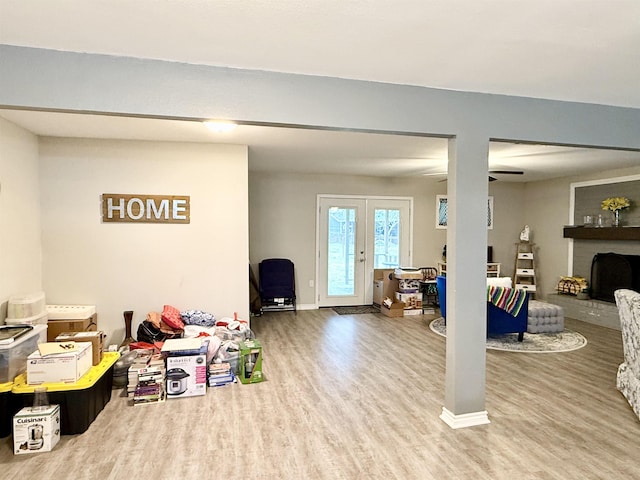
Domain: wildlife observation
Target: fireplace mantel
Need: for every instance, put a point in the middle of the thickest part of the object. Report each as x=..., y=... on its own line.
x=602, y=233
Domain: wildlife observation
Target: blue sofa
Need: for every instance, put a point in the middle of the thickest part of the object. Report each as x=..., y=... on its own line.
x=499, y=322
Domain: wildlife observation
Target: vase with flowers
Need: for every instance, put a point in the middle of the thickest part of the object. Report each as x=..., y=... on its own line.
x=615, y=204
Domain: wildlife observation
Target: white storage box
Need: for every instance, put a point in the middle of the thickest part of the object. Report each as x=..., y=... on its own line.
x=26, y=305
x=13, y=356
x=60, y=367
x=70, y=312
x=40, y=319
x=36, y=429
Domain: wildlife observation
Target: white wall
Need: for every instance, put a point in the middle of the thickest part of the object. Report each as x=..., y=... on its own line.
x=282, y=216
x=141, y=267
x=20, y=254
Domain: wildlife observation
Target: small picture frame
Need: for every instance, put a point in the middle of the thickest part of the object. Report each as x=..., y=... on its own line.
x=441, y=212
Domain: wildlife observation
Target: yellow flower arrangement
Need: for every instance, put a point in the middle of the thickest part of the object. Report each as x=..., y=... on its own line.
x=615, y=203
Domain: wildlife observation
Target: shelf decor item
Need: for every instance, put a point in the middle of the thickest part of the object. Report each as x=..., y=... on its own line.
x=615, y=204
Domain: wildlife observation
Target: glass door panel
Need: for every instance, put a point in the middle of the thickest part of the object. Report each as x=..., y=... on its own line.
x=342, y=247
x=341, y=252
x=355, y=236
x=386, y=241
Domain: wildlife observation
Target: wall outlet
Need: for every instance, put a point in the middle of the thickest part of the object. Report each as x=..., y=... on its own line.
x=311, y=283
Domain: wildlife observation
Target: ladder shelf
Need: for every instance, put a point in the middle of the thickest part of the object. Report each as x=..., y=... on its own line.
x=524, y=275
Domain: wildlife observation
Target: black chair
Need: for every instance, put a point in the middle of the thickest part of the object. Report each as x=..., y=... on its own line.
x=428, y=286
x=277, y=284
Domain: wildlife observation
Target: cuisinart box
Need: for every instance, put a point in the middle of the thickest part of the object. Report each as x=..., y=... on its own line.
x=65, y=367
x=36, y=429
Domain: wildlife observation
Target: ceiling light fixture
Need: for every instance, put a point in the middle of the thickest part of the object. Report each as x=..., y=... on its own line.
x=218, y=126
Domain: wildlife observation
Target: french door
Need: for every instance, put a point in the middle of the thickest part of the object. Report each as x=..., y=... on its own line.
x=356, y=235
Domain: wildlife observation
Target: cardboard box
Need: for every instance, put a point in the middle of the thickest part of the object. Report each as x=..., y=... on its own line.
x=394, y=310
x=36, y=429
x=411, y=300
x=65, y=367
x=58, y=326
x=250, y=361
x=408, y=273
x=96, y=338
x=384, y=284
x=186, y=376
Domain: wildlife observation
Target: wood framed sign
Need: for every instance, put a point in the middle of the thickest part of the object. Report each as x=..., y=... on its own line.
x=121, y=208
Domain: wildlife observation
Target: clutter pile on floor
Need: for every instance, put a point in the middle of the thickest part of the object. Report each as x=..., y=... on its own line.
x=180, y=354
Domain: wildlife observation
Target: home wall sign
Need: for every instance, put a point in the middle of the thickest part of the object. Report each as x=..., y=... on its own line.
x=122, y=208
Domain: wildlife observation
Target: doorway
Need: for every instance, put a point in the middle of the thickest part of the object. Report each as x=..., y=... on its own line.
x=356, y=235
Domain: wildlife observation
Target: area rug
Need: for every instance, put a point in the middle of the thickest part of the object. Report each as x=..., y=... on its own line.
x=565, y=341
x=357, y=310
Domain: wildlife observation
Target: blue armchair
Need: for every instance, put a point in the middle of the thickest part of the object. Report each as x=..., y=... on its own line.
x=499, y=322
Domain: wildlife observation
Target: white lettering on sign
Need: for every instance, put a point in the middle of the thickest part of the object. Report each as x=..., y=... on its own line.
x=156, y=210
x=111, y=207
x=145, y=208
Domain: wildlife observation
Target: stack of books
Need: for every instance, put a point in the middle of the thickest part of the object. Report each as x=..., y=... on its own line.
x=146, y=379
x=149, y=393
x=220, y=374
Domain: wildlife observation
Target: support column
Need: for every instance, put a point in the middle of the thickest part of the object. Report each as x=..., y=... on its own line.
x=467, y=192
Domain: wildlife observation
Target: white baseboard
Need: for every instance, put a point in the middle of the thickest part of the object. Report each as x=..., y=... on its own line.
x=464, y=420
x=307, y=306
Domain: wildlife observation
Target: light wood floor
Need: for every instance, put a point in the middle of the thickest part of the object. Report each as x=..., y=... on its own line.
x=359, y=397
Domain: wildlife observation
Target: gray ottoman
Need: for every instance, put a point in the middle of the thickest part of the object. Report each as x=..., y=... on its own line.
x=545, y=317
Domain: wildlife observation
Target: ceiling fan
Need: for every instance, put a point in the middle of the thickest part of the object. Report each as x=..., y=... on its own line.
x=491, y=173
x=503, y=172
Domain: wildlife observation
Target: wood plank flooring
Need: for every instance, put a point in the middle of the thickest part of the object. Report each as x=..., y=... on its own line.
x=359, y=397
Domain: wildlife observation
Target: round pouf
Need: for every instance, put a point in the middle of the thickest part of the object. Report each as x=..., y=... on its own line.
x=544, y=318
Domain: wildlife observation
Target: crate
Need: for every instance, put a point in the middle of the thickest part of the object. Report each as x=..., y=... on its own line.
x=5, y=406
x=25, y=305
x=80, y=402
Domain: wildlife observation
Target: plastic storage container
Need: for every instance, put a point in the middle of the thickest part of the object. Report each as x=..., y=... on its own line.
x=25, y=306
x=40, y=319
x=13, y=356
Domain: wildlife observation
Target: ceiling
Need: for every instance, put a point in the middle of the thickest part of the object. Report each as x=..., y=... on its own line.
x=575, y=50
